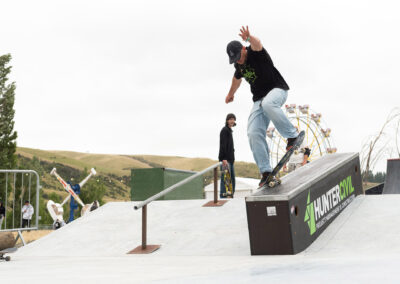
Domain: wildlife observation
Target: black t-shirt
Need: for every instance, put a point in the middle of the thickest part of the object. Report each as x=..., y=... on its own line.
x=226, y=147
x=260, y=72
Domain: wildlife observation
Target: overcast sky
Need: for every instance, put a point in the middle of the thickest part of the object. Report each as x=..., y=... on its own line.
x=150, y=77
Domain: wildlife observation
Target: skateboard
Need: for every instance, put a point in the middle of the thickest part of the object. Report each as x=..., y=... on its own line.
x=7, y=251
x=272, y=179
x=228, y=182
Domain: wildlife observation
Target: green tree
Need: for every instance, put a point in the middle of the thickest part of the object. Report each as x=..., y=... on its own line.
x=379, y=177
x=93, y=190
x=8, y=136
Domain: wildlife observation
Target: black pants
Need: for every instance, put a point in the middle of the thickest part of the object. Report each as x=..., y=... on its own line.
x=26, y=223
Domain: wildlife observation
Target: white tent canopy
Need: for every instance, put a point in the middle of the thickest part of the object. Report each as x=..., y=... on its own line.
x=244, y=187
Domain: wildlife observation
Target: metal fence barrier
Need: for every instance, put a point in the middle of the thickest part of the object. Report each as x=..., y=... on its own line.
x=16, y=187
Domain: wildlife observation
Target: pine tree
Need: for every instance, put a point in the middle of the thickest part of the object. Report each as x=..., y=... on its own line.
x=8, y=136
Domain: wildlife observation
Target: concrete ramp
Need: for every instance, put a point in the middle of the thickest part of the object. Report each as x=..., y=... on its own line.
x=360, y=246
x=392, y=181
x=181, y=227
x=184, y=227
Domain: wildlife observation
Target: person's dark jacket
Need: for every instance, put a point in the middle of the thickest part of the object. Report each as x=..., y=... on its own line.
x=226, y=148
x=2, y=211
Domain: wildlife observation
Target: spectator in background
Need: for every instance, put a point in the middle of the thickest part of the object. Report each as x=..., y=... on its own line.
x=27, y=212
x=227, y=152
x=2, y=213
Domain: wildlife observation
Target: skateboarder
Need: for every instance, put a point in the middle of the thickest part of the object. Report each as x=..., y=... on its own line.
x=269, y=91
x=227, y=152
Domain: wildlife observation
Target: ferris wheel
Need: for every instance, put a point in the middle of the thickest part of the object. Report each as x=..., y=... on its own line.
x=317, y=134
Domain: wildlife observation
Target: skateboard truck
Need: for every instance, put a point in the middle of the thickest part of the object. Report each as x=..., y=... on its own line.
x=274, y=182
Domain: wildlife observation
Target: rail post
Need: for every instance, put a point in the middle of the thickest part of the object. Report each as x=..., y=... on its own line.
x=215, y=202
x=144, y=227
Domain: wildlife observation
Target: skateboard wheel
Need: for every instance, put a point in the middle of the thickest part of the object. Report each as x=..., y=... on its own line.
x=7, y=258
x=271, y=184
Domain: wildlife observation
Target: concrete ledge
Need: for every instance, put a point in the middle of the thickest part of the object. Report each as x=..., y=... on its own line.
x=289, y=217
x=304, y=177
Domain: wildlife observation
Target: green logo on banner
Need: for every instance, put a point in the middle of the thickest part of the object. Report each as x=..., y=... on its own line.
x=310, y=217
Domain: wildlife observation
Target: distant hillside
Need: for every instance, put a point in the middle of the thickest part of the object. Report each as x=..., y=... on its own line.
x=107, y=164
x=112, y=182
x=113, y=170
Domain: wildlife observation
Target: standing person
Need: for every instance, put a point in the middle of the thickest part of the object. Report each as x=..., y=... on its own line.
x=269, y=91
x=2, y=213
x=227, y=152
x=27, y=212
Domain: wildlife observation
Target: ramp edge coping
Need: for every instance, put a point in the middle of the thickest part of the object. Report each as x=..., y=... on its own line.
x=300, y=188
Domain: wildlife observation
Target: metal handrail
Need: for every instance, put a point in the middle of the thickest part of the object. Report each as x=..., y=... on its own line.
x=144, y=248
x=20, y=229
x=173, y=187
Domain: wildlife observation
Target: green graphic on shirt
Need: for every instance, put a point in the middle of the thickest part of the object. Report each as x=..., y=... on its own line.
x=249, y=74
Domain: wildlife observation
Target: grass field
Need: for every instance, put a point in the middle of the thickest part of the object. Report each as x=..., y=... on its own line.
x=31, y=236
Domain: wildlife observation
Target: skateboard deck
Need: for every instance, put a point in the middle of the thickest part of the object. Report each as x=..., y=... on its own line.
x=272, y=179
x=7, y=251
x=228, y=182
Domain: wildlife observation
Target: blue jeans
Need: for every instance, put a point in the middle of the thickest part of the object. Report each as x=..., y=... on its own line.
x=222, y=190
x=263, y=112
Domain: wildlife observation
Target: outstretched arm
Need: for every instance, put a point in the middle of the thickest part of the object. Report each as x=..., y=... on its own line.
x=255, y=43
x=235, y=85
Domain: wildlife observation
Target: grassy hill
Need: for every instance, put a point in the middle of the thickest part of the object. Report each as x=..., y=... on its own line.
x=113, y=170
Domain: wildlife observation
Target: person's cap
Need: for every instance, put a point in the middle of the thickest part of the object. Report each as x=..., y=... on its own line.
x=229, y=116
x=234, y=49
x=26, y=201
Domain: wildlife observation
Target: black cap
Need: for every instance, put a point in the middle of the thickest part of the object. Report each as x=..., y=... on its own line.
x=234, y=50
x=229, y=116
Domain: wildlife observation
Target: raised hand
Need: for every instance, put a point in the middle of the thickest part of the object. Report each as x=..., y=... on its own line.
x=244, y=33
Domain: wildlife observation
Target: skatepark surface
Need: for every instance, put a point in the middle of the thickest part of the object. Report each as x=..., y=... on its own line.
x=210, y=245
